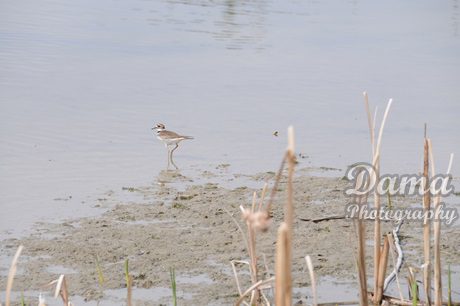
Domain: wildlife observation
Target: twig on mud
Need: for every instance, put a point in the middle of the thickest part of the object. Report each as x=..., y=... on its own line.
x=323, y=219
x=399, y=262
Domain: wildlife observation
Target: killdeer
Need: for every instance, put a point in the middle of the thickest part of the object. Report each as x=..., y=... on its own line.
x=169, y=138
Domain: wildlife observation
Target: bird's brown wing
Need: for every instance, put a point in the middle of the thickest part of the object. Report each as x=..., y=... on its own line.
x=169, y=135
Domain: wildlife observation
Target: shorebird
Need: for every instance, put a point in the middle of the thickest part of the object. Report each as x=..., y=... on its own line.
x=169, y=138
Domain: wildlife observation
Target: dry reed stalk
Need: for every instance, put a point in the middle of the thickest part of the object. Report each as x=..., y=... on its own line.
x=338, y=303
x=395, y=301
x=289, y=213
x=427, y=224
x=61, y=289
x=262, y=196
x=277, y=181
x=376, y=234
x=258, y=220
x=361, y=263
x=64, y=294
x=265, y=297
x=239, y=227
x=312, y=278
x=282, y=297
x=437, y=233
x=376, y=164
x=437, y=258
x=236, y=274
x=283, y=287
x=9, y=284
x=382, y=268
x=267, y=271
x=255, y=220
x=130, y=291
x=360, y=233
x=252, y=252
x=412, y=282
x=426, y=269
x=252, y=289
x=377, y=198
x=41, y=300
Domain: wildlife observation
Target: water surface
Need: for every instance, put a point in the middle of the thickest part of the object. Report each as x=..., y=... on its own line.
x=83, y=82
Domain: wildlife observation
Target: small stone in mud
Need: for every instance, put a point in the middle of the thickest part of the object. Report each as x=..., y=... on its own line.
x=210, y=186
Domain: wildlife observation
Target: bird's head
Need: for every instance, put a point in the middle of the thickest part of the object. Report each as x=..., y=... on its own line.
x=159, y=127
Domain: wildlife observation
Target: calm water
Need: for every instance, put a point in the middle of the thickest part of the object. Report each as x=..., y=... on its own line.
x=83, y=82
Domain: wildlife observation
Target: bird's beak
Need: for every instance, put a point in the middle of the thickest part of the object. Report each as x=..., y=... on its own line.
x=154, y=128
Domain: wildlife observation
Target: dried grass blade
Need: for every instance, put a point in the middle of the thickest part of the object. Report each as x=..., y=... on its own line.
x=371, y=125
x=239, y=227
x=58, y=286
x=379, y=141
x=312, y=277
x=255, y=286
x=236, y=277
x=64, y=292
x=9, y=284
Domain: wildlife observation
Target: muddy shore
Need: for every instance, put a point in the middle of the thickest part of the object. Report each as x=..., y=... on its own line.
x=190, y=231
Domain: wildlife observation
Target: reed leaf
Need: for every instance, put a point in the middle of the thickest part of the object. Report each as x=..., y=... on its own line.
x=99, y=272
x=173, y=285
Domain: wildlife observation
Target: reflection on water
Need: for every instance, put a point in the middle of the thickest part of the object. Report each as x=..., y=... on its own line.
x=455, y=14
x=166, y=177
x=238, y=24
x=243, y=23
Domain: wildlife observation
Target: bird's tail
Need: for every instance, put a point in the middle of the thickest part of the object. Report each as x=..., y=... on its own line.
x=187, y=137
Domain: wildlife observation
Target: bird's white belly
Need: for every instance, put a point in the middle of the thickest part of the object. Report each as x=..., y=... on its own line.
x=171, y=141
